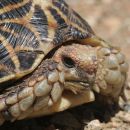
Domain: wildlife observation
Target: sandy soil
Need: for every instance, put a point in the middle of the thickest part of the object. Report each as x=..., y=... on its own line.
x=110, y=19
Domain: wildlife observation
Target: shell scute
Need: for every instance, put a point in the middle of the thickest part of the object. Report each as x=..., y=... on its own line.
x=31, y=29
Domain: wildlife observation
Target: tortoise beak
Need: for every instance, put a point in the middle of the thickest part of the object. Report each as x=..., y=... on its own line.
x=76, y=86
x=95, y=41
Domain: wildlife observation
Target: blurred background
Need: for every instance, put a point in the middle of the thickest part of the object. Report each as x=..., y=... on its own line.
x=110, y=19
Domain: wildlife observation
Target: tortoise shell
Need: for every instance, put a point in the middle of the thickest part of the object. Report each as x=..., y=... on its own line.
x=30, y=29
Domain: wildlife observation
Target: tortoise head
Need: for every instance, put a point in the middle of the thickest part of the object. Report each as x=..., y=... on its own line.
x=101, y=69
x=79, y=64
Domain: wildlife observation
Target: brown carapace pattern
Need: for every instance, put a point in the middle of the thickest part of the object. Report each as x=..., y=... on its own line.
x=29, y=29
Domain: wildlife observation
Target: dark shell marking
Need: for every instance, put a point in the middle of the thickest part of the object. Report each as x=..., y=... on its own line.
x=29, y=30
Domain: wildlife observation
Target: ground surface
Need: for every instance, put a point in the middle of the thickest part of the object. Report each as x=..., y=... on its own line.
x=111, y=20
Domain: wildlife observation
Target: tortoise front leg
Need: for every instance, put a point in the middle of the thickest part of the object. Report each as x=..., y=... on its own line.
x=40, y=90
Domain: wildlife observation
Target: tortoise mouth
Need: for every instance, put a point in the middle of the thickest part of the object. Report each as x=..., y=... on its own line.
x=77, y=86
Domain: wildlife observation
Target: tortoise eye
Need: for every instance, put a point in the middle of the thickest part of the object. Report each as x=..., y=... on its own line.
x=68, y=62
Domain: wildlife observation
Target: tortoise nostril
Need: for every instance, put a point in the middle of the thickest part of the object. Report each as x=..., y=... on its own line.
x=68, y=62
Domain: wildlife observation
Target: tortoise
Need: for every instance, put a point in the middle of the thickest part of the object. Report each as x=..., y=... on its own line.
x=51, y=59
